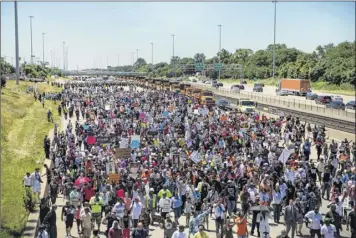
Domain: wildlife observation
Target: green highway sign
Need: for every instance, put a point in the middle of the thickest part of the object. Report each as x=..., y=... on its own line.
x=199, y=66
x=218, y=66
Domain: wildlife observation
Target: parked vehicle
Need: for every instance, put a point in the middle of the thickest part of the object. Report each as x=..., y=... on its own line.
x=311, y=96
x=299, y=87
x=257, y=88
x=336, y=105
x=351, y=105
x=323, y=100
x=337, y=98
x=220, y=84
x=282, y=93
x=244, y=82
x=238, y=86
x=259, y=84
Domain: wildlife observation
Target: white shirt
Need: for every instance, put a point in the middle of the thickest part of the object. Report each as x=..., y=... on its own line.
x=315, y=220
x=165, y=204
x=27, y=180
x=178, y=234
x=252, y=192
x=328, y=231
x=136, y=210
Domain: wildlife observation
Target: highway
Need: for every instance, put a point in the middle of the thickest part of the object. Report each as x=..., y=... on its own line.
x=271, y=91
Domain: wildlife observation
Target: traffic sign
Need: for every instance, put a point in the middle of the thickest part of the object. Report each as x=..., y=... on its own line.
x=199, y=66
x=218, y=66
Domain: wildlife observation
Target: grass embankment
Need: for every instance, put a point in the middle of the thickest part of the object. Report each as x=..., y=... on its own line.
x=23, y=127
x=325, y=87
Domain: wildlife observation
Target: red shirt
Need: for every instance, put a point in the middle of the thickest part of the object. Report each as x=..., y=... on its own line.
x=88, y=193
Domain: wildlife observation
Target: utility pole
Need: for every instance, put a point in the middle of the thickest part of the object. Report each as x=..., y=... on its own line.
x=64, y=56
x=174, y=63
x=32, y=56
x=107, y=62
x=67, y=58
x=152, y=53
x=274, y=41
x=17, y=46
x=219, y=50
x=43, y=59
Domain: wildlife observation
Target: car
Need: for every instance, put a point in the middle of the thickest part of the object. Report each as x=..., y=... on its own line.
x=337, y=98
x=311, y=96
x=257, y=89
x=220, y=84
x=282, y=93
x=259, y=84
x=237, y=87
x=351, y=105
x=194, y=80
x=336, y=105
x=244, y=82
x=223, y=103
x=323, y=100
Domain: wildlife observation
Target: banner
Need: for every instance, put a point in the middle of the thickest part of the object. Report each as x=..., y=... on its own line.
x=114, y=178
x=103, y=139
x=284, y=156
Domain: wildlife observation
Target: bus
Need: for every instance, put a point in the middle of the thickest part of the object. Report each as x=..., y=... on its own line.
x=246, y=105
x=166, y=84
x=196, y=93
x=175, y=87
x=183, y=87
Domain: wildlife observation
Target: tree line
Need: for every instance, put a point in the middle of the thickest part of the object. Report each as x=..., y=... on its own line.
x=329, y=63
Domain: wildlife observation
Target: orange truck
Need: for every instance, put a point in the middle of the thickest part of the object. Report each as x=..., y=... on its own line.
x=298, y=87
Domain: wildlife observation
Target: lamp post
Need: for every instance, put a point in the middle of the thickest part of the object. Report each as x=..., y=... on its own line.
x=174, y=63
x=17, y=59
x=219, y=49
x=32, y=56
x=43, y=59
x=152, y=53
x=64, y=56
x=274, y=41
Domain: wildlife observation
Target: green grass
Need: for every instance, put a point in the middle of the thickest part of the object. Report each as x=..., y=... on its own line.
x=23, y=127
x=343, y=89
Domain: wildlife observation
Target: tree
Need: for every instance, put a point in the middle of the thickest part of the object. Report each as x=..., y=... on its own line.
x=199, y=57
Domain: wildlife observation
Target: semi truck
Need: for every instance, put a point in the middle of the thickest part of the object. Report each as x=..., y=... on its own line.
x=298, y=87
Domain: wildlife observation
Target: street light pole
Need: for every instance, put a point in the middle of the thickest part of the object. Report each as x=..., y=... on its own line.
x=152, y=53
x=174, y=63
x=43, y=59
x=219, y=50
x=17, y=45
x=31, y=39
x=64, y=56
x=274, y=40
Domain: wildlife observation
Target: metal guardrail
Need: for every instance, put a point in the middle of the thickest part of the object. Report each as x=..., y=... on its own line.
x=283, y=102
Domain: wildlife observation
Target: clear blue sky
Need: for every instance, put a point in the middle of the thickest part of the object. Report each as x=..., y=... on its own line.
x=95, y=31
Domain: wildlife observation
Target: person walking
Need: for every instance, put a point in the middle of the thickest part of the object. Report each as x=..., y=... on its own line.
x=290, y=217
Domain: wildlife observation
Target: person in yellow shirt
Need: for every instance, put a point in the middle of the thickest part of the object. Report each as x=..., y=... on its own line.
x=201, y=233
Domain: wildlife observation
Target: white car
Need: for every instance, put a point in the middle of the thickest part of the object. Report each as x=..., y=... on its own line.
x=337, y=98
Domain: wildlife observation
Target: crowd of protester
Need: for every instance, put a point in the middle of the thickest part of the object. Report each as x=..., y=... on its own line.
x=133, y=157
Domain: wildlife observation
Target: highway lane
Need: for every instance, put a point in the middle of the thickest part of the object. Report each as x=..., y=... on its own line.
x=271, y=91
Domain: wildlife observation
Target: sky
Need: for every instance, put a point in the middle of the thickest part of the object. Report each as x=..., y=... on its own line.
x=101, y=34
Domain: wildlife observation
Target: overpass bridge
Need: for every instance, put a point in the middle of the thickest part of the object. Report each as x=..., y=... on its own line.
x=102, y=72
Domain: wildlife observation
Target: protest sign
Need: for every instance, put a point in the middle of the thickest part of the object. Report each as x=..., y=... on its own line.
x=110, y=168
x=107, y=107
x=284, y=156
x=135, y=141
x=114, y=178
x=124, y=142
x=134, y=169
x=123, y=153
x=91, y=140
x=196, y=157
